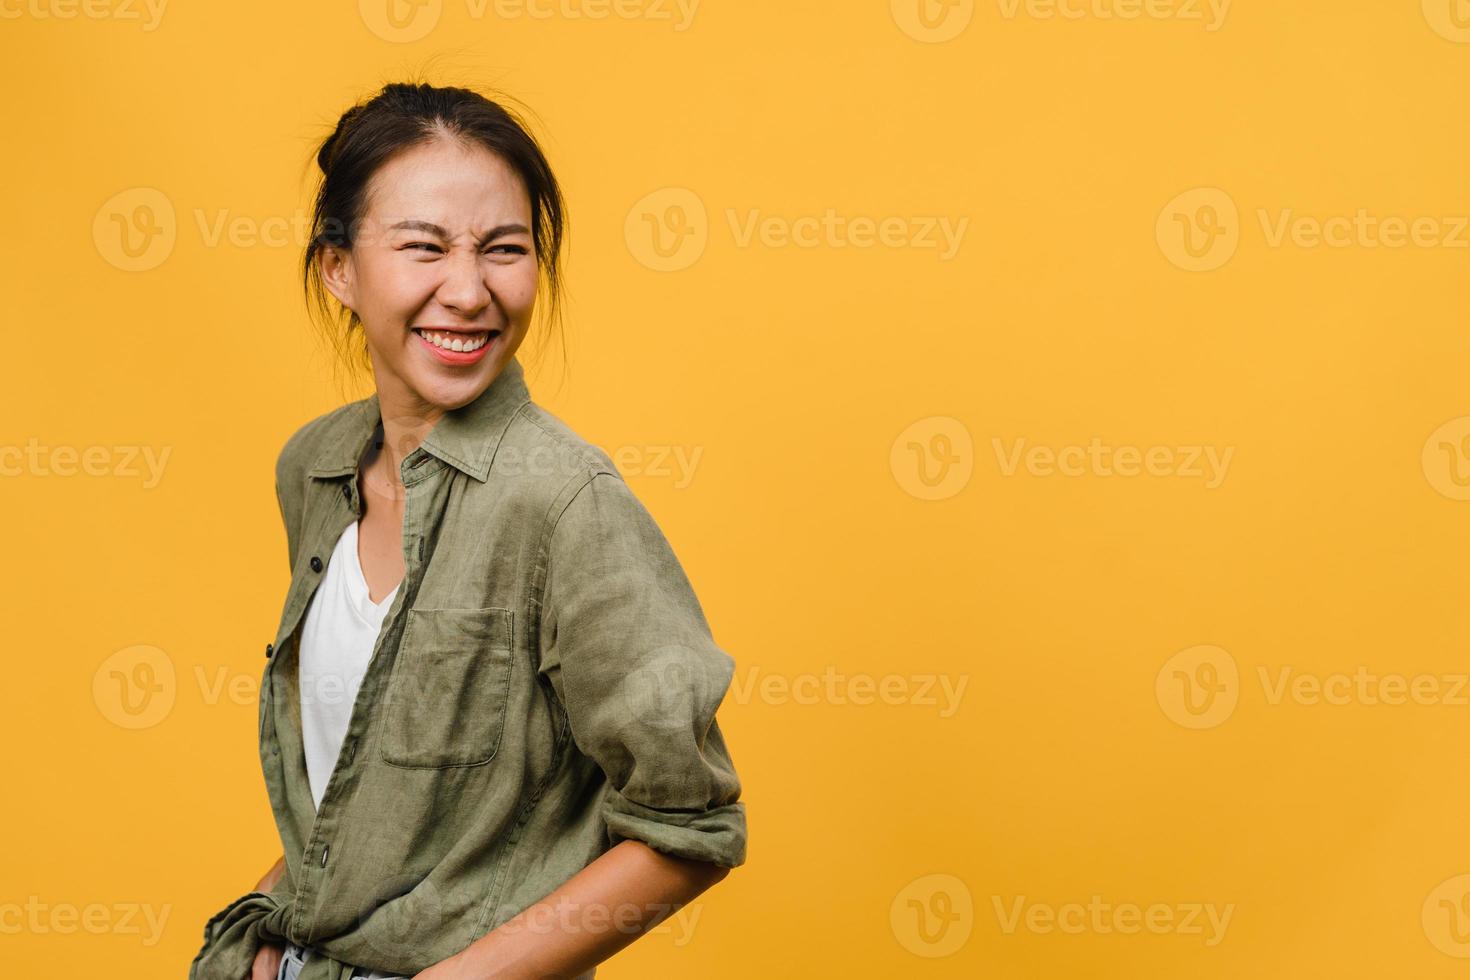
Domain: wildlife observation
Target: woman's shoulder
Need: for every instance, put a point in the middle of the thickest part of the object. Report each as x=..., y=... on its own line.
x=329, y=430
x=542, y=439
x=538, y=442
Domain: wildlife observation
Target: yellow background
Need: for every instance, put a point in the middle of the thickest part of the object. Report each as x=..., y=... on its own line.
x=824, y=386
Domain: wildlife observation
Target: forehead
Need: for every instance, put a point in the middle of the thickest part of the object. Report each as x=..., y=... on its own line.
x=452, y=184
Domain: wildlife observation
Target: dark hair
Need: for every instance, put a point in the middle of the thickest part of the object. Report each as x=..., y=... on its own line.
x=400, y=117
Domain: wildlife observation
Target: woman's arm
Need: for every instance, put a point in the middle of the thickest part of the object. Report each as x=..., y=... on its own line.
x=629, y=654
x=269, y=880
x=601, y=909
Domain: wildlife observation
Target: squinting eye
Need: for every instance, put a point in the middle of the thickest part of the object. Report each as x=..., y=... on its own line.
x=513, y=249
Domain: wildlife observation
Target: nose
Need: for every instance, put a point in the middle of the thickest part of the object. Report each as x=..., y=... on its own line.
x=463, y=289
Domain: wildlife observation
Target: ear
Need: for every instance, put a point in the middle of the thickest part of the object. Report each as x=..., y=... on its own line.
x=336, y=269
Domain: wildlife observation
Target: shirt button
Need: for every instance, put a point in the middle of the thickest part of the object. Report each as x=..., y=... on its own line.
x=346, y=492
x=316, y=563
x=270, y=648
x=325, y=849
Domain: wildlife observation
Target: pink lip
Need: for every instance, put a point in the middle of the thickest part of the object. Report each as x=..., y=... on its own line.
x=458, y=357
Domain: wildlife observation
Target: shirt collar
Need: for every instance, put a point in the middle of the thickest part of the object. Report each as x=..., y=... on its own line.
x=465, y=437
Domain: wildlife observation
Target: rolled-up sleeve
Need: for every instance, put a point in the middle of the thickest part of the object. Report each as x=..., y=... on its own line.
x=626, y=647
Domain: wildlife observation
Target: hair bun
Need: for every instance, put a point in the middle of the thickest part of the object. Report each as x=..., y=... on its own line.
x=329, y=146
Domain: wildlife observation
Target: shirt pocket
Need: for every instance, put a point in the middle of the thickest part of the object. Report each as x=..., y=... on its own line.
x=446, y=698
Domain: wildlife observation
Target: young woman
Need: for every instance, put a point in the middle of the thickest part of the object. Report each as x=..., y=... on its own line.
x=487, y=717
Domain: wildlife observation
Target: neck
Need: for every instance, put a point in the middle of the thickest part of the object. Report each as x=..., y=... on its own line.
x=406, y=422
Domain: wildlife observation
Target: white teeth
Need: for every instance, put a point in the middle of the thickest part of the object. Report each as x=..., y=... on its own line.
x=455, y=342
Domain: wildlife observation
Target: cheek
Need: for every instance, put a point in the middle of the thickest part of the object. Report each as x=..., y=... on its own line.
x=517, y=287
x=391, y=287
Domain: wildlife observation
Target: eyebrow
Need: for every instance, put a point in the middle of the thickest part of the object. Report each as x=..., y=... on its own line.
x=414, y=224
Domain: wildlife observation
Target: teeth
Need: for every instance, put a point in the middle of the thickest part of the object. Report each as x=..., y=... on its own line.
x=456, y=342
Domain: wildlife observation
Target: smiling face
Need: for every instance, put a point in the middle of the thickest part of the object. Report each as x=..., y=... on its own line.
x=442, y=273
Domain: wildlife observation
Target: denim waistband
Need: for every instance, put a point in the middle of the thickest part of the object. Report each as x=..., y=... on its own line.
x=296, y=956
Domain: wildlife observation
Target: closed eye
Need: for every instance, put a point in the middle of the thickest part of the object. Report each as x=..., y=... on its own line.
x=511, y=249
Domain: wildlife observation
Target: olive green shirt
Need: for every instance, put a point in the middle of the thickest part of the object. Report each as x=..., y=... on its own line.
x=544, y=685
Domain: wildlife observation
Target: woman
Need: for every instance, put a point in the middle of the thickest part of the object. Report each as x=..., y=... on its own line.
x=487, y=717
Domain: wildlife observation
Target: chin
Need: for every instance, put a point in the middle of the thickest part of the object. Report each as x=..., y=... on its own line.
x=449, y=393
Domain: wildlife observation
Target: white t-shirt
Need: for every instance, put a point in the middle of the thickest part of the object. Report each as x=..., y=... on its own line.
x=337, y=641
